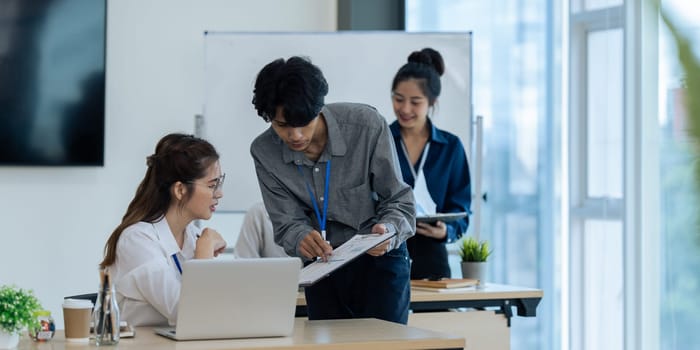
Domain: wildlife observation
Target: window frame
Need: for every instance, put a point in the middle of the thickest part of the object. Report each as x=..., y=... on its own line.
x=638, y=208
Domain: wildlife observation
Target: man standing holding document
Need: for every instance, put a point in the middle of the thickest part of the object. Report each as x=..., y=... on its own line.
x=327, y=173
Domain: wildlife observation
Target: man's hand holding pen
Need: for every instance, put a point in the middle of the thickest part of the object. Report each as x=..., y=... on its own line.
x=314, y=245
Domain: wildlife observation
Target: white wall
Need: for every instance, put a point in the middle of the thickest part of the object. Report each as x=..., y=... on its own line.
x=56, y=220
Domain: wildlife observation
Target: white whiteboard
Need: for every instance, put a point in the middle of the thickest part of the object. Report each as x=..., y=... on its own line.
x=359, y=67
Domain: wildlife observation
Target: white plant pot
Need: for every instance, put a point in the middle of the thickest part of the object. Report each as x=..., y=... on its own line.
x=8, y=340
x=474, y=270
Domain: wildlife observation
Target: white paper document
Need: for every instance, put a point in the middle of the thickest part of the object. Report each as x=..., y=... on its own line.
x=354, y=247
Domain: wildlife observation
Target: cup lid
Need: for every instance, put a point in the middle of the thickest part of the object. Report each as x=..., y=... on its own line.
x=77, y=303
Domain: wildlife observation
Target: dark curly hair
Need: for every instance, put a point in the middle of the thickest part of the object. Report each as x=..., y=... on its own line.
x=295, y=85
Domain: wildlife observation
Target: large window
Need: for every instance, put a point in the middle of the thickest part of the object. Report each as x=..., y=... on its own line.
x=626, y=276
x=597, y=163
x=679, y=211
x=515, y=89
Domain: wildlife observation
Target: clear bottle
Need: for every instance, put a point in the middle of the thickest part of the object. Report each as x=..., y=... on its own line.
x=46, y=328
x=105, y=317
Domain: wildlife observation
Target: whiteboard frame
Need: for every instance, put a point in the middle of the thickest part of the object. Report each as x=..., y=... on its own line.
x=231, y=128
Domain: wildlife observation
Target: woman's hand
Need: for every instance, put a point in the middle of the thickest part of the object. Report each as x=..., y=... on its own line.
x=209, y=244
x=382, y=248
x=313, y=245
x=437, y=231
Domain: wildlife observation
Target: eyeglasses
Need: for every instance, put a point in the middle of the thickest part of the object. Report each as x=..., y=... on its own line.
x=214, y=187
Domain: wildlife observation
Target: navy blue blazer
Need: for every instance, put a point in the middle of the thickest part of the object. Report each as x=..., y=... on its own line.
x=446, y=172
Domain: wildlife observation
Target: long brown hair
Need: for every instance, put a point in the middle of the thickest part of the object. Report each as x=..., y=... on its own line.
x=178, y=157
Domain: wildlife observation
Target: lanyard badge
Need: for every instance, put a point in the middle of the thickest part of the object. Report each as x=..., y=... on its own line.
x=321, y=219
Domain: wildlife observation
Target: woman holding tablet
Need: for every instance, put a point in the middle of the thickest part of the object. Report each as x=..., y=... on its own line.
x=157, y=235
x=432, y=161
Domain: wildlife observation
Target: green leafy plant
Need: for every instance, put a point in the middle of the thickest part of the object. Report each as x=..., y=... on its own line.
x=472, y=250
x=17, y=308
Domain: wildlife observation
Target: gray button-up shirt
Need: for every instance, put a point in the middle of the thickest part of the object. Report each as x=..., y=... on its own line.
x=365, y=187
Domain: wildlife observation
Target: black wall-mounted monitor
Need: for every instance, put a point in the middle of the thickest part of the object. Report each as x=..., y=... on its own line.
x=52, y=82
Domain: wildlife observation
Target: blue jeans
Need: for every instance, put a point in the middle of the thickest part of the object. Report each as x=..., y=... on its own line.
x=367, y=287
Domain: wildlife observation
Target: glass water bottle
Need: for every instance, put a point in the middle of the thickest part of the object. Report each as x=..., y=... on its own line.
x=105, y=317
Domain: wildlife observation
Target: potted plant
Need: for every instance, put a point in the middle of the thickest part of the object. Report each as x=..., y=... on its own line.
x=17, y=308
x=474, y=254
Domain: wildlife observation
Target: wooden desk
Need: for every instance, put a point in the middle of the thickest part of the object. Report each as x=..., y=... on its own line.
x=503, y=297
x=487, y=327
x=365, y=334
x=500, y=296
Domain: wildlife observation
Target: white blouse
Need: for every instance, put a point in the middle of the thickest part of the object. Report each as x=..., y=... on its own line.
x=146, y=272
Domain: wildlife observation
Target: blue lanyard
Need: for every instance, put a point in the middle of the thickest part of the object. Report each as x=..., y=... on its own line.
x=177, y=263
x=321, y=219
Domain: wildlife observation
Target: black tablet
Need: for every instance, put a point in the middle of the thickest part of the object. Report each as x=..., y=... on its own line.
x=444, y=217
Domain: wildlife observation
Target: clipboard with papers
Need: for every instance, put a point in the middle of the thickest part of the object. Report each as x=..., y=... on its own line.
x=444, y=217
x=348, y=251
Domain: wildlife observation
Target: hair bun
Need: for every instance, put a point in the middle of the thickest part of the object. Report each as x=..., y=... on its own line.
x=429, y=57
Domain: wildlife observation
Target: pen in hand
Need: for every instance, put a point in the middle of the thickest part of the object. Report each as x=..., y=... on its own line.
x=314, y=246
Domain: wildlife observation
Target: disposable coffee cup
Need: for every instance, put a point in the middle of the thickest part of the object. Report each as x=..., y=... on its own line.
x=77, y=314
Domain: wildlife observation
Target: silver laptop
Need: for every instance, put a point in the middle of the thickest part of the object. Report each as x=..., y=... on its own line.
x=241, y=298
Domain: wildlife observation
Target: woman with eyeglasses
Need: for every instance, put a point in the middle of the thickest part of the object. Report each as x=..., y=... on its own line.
x=146, y=251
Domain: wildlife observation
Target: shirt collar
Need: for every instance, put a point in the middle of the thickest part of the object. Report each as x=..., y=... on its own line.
x=435, y=134
x=167, y=240
x=335, y=143
x=165, y=236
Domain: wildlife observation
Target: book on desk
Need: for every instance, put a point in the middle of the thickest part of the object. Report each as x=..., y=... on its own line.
x=444, y=284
